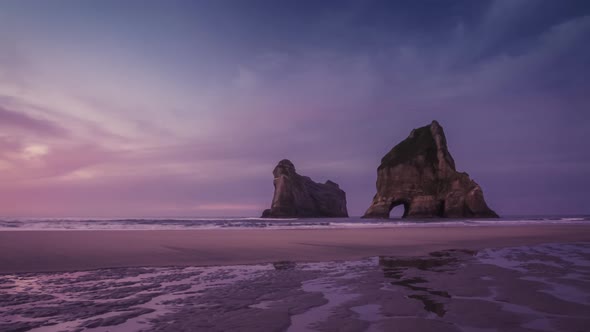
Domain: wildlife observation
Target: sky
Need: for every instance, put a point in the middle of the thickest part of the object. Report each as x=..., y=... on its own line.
x=183, y=108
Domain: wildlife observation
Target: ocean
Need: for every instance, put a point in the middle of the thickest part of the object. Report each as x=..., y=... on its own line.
x=32, y=224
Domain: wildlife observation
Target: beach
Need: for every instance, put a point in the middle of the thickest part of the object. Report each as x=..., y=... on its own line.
x=47, y=251
x=427, y=278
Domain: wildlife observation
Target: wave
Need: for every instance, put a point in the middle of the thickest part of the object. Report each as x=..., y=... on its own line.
x=263, y=223
x=575, y=219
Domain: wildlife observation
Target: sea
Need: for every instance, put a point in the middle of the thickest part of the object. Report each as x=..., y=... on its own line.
x=77, y=224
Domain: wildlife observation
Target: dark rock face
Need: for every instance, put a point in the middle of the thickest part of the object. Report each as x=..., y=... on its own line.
x=419, y=173
x=298, y=196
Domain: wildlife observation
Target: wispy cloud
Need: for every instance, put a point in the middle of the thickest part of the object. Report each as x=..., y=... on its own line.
x=16, y=120
x=190, y=117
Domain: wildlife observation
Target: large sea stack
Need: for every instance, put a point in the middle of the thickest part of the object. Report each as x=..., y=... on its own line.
x=297, y=196
x=419, y=173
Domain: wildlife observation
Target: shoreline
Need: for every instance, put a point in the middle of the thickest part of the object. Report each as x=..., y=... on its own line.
x=33, y=251
x=322, y=226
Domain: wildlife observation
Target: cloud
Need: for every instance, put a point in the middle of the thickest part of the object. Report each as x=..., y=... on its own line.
x=149, y=128
x=16, y=120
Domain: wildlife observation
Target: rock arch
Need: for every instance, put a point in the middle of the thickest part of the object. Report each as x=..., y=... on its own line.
x=420, y=172
x=403, y=203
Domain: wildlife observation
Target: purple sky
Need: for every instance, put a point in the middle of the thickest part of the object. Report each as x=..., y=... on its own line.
x=183, y=108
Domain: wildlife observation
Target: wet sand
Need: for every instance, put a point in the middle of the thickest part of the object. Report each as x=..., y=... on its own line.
x=525, y=288
x=43, y=251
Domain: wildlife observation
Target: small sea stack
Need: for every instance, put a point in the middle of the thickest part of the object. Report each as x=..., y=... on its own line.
x=298, y=196
x=419, y=173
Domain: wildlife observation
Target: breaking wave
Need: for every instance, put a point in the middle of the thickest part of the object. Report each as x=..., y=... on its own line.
x=14, y=224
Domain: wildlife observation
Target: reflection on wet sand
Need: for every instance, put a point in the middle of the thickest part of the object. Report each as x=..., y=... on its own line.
x=441, y=261
x=284, y=265
x=540, y=288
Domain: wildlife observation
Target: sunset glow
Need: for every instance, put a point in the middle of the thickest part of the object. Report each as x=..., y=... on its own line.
x=184, y=109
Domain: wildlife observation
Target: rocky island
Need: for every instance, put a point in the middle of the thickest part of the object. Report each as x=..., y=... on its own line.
x=298, y=196
x=419, y=173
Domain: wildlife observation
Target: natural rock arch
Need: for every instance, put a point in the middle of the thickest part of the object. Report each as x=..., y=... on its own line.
x=420, y=173
x=405, y=205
